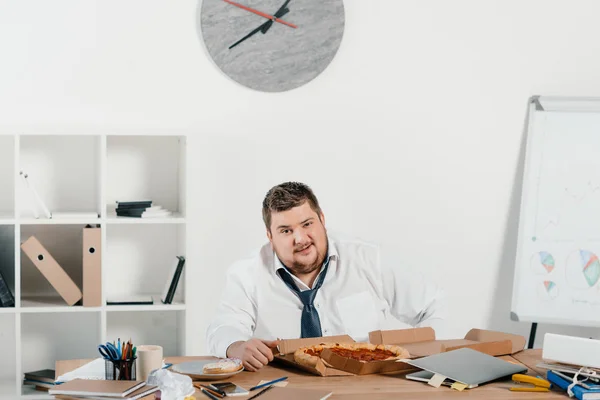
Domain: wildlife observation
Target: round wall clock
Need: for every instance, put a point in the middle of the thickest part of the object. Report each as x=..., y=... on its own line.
x=272, y=45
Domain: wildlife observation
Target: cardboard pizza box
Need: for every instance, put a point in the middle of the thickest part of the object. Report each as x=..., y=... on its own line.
x=287, y=348
x=357, y=367
x=334, y=366
x=421, y=342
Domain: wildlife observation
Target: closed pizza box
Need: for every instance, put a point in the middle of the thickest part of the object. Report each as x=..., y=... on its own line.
x=287, y=348
x=421, y=342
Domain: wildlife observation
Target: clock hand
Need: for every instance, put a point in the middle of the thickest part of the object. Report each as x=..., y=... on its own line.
x=254, y=32
x=262, y=14
x=279, y=13
x=267, y=25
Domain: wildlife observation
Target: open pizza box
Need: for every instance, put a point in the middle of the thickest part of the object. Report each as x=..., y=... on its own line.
x=331, y=364
x=288, y=347
x=421, y=342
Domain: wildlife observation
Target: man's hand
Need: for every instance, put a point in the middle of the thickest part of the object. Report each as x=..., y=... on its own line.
x=254, y=353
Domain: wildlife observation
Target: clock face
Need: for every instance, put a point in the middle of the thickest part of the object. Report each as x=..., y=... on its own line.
x=272, y=45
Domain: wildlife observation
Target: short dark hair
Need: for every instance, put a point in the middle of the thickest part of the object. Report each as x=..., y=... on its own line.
x=286, y=196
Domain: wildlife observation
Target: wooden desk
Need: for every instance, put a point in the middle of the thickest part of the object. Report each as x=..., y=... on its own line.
x=377, y=386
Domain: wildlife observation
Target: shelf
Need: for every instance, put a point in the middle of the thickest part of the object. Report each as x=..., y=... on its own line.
x=6, y=218
x=29, y=392
x=63, y=169
x=159, y=328
x=146, y=168
x=58, y=221
x=139, y=259
x=7, y=388
x=175, y=218
x=46, y=338
x=51, y=304
x=7, y=310
x=65, y=244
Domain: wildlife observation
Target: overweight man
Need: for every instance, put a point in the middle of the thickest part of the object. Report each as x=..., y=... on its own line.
x=307, y=283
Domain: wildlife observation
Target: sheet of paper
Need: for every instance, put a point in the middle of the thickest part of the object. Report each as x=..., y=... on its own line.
x=458, y=386
x=436, y=380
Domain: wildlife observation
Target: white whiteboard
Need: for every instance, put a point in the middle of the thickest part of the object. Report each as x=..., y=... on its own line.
x=557, y=271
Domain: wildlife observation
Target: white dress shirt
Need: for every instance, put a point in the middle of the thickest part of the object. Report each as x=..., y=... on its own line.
x=358, y=295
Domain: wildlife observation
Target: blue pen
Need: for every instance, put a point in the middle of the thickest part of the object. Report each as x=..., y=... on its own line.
x=119, y=348
x=268, y=383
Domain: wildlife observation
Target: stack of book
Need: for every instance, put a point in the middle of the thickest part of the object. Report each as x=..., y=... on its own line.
x=105, y=389
x=140, y=209
x=42, y=380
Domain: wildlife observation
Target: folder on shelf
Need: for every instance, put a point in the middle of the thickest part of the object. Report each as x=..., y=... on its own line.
x=51, y=270
x=173, y=280
x=6, y=297
x=92, y=266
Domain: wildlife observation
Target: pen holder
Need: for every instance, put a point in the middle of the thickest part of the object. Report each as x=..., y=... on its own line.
x=120, y=370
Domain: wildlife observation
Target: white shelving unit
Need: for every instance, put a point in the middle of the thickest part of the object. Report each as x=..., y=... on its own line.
x=89, y=173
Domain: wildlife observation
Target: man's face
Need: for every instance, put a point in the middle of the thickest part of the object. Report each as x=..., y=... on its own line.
x=299, y=238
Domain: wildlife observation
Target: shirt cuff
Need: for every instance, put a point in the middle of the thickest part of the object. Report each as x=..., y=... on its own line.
x=222, y=338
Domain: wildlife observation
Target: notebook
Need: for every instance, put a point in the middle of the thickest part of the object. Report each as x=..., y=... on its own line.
x=592, y=392
x=82, y=387
x=278, y=393
x=43, y=375
x=138, y=394
x=467, y=366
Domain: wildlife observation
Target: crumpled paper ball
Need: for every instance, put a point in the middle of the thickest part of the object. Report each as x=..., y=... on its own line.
x=172, y=386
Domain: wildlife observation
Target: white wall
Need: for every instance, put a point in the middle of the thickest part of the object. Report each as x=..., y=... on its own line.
x=412, y=137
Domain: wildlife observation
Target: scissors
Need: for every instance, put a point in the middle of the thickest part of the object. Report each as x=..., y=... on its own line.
x=109, y=351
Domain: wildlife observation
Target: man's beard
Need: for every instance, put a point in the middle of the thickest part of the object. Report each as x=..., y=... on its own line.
x=302, y=268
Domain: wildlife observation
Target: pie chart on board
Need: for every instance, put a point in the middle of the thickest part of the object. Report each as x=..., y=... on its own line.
x=542, y=262
x=583, y=269
x=548, y=290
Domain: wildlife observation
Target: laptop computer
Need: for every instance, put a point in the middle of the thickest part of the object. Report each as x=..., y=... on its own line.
x=465, y=365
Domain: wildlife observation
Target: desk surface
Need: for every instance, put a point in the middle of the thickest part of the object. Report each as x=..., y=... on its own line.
x=374, y=386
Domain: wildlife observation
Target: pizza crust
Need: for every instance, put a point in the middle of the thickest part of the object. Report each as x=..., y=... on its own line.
x=310, y=356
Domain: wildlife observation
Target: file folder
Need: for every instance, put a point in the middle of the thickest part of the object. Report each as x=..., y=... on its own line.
x=92, y=266
x=51, y=270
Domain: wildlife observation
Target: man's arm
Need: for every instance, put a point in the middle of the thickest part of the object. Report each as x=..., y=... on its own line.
x=413, y=299
x=236, y=314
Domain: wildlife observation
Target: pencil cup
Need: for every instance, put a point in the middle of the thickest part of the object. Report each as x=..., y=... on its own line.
x=120, y=370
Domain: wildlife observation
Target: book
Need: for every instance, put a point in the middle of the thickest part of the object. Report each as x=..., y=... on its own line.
x=173, y=280
x=82, y=387
x=43, y=375
x=581, y=393
x=130, y=300
x=6, y=297
x=134, y=204
x=141, y=392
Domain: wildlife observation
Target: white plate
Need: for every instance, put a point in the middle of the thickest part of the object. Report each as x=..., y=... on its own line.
x=194, y=369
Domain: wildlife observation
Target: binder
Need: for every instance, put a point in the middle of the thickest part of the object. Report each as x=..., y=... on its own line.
x=51, y=270
x=92, y=266
x=6, y=297
x=571, y=350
